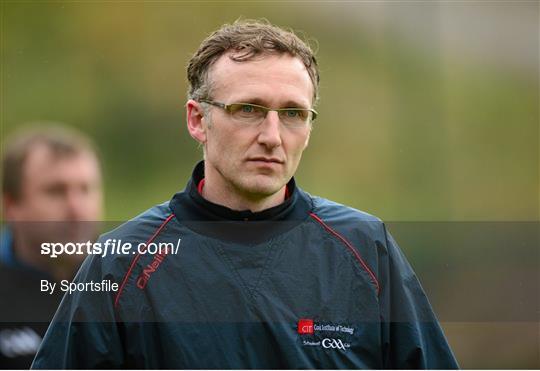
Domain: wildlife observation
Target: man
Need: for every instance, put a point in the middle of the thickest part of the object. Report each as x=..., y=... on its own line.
x=257, y=273
x=51, y=184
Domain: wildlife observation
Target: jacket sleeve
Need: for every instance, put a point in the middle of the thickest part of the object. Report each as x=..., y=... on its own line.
x=411, y=335
x=84, y=332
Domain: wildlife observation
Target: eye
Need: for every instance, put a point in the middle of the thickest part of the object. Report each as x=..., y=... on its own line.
x=246, y=108
x=55, y=190
x=292, y=113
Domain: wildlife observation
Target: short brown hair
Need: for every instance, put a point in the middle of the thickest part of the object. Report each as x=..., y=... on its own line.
x=60, y=140
x=247, y=39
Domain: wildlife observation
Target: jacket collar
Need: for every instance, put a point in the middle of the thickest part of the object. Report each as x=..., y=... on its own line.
x=212, y=211
x=194, y=211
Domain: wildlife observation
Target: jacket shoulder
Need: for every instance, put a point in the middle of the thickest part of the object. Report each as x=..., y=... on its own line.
x=141, y=226
x=347, y=220
x=139, y=229
x=328, y=209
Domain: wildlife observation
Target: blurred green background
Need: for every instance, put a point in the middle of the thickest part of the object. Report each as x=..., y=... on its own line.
x=428, y=113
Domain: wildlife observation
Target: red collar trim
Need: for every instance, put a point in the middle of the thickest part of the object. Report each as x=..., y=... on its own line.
x=200, y=186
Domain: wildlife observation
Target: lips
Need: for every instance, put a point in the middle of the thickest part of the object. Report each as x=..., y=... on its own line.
x=269, y=160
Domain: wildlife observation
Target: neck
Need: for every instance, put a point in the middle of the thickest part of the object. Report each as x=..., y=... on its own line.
x=216, y=191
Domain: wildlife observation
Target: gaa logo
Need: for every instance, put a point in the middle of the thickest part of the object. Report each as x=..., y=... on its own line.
x=334, y=344
x=305, y=326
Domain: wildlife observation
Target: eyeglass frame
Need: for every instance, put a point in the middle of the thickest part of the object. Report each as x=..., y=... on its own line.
x=226, y=107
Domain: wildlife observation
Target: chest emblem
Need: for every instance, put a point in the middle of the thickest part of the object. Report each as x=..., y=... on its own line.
x=324, y=335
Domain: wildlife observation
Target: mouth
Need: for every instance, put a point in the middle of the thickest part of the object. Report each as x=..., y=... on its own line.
x=266, y=160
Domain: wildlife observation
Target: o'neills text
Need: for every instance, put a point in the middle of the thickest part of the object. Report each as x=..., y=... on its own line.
x=143, y=278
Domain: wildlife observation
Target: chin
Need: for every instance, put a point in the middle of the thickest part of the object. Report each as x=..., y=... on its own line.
x=263, y=187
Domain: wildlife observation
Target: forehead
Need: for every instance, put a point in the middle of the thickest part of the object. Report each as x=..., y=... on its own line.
x=273, y=79
x=43, y=165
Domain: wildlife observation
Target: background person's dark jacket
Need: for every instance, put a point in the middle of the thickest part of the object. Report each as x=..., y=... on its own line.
x=25, y=311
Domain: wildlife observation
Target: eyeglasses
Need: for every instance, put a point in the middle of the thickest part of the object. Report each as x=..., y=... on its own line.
x=253, y=114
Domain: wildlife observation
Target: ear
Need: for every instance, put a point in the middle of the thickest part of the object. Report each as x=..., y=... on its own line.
x=195, y=121
x=10, y=208
x=308, y=136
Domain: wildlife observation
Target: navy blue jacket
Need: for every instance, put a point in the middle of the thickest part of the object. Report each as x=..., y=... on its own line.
x=307, y=284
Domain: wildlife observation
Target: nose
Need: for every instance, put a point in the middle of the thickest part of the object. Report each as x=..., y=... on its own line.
x=76, y=204
x=73, y=206
x=270, y=134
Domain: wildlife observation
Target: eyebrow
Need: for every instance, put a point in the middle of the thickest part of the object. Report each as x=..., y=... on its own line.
x=260, y=102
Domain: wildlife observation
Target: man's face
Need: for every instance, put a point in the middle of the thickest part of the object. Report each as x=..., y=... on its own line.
x=257, y=161
x=53, y=188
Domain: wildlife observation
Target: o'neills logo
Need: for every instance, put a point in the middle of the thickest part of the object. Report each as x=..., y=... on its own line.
x=143, y=278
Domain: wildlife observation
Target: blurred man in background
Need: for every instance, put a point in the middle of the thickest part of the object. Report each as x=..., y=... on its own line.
x=51, y=192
